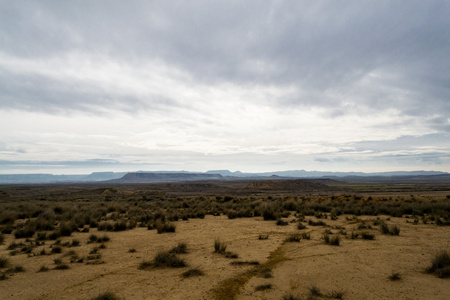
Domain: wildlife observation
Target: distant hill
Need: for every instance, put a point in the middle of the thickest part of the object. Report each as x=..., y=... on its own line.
x=165, y=177
x=178, y=176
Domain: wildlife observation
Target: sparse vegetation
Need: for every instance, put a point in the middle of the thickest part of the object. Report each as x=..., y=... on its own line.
x=181, y=248
x=4, y=262
x=293, y=238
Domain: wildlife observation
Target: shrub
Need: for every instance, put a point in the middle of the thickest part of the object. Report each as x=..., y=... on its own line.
x=336, y=295
x=16, y=269
x=290, y=297
x=384, y=228
x=132, y=250
x=395, y=230
x=316, y=223
x=192, y=272
x=263, y=237
x=293, y=238
x=268, y=213
x=315, y=291
x=395, y=276
x=24, y=233
x=181, y=248
x=281, y=222
x=367, y=236
x=265, y=273
x=219, y=247
x=61, y=266
x=105, y=296
x=263, y=287
x=56, y=249
x=43, y=269
x=334, y=240
x=166, y=259
x=4, y=262
x=306, y=235
x=145, y=264
x=301, y=226
x=440, y=264
x=162, y=227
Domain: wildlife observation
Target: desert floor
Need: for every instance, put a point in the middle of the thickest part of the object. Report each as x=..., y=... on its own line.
x=358, y=268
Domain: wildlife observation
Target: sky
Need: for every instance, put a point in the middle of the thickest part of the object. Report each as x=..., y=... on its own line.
x=88, y=86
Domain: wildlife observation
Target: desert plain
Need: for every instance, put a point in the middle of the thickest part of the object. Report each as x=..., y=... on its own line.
x=263, y=240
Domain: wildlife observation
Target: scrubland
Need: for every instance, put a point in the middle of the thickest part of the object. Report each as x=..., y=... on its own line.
x=163, y=242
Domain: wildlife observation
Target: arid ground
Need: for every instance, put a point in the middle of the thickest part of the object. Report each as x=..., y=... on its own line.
x=265, y=258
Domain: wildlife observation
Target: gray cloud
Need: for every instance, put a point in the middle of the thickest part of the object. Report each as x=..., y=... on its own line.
x=221, y=63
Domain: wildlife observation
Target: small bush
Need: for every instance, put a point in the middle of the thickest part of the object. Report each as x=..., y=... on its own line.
x=301, y=226
x=395, y=230
x=241, y=263
x=367, y=236
x=440, y=264
x=56, y=249
x=263, y=287
x=166, y=259
x=4, y=262
x=43, y=269
x=334, y=240
x=192, y=272
x=181, y=248
x=395, y=276
x=293, y=238
x=105, y=296
x=263, y=237
x=145, y=265
x=336, y=295
x=265, y=273
x=61, y=266
x=290, y=297
x=16, y=269
x=316, y=223
x=281, y=222
x=162, y=227
x=219, y=247
x=132, y=250
x=315, y=291
x=306, y=235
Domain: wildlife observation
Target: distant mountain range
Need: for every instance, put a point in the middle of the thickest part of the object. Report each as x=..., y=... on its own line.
x=179, y=176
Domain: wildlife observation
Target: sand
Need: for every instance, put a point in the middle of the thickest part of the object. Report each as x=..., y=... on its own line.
x=358, y=268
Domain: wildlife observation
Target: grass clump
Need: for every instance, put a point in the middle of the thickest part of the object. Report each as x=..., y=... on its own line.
x=4, y=262
x=192, y=273
x=43, y=269
x=162, y=227
x=181, y=248
x=263, y=287
x=367, y=236
x=167, y=259
x=293, y=238
x=105, y=296
x=395, y=277
x=263, y=237
x=16, y=269
x=334, y=240
x=290, y=297
x=385, y=229
x=314, y=291
x=219, y=246
x=440, y=264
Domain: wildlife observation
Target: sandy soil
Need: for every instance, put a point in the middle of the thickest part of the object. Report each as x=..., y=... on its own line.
x=358, y=268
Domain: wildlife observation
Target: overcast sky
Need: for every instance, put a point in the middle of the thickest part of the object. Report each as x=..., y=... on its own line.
x=241, y=85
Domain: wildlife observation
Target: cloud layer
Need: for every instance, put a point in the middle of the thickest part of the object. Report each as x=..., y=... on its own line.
x=200, y=85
